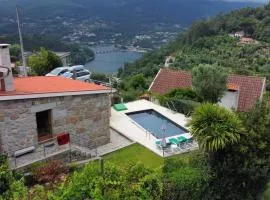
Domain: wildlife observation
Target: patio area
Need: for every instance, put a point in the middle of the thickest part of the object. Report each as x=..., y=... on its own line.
x=78, y=149
x=123, y=124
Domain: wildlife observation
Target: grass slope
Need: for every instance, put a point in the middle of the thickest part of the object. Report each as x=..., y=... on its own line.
x=133, y=154
x=138, y=153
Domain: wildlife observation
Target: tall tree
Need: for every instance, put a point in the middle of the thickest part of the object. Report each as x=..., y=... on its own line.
x=215, y=127
x=44, y=61
x=243, y=170
x=209, y=82
x=138, y=82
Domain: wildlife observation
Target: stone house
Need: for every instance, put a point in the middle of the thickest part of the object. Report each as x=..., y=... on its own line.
x=36, y=109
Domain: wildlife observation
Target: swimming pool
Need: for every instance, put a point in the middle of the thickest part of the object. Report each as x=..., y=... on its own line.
x=157, y=124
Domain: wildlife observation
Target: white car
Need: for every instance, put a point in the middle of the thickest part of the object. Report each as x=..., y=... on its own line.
x=76, y=68
x=82, y=75
x=58, y=71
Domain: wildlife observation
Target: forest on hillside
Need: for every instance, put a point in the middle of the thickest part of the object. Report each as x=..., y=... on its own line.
x=208, y=42
x=126, y=16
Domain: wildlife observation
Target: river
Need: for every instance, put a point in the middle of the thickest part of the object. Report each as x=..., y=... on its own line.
x=108, y=59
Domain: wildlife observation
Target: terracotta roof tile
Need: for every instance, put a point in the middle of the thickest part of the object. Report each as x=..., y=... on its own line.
x=46, y=84
x=167, y=80
x=250, y=87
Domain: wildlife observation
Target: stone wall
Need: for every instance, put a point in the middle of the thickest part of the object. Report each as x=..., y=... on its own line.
x=85, y=115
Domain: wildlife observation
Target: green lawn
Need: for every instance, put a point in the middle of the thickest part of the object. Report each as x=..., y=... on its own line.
x=133, y=154
x=138, y=153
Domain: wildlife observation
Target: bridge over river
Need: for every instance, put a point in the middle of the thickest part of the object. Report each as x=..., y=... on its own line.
x=113, y=50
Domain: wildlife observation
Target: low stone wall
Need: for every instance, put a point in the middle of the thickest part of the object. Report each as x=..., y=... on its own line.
x=85, y=115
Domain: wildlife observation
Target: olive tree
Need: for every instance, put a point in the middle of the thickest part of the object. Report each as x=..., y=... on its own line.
x=209, y=82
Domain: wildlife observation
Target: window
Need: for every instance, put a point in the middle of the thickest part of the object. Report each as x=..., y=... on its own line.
x=44, y=125
x=62, y=72
x=83, y=73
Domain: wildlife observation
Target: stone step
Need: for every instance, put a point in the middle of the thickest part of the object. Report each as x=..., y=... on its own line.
x=87, y=152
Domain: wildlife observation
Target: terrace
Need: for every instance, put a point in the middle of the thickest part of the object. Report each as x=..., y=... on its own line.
x=77, y=149
x=152, y=131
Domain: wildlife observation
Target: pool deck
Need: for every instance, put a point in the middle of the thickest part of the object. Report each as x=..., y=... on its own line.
x=130, y=129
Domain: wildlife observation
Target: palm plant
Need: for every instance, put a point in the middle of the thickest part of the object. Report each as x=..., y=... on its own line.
x=215, y=127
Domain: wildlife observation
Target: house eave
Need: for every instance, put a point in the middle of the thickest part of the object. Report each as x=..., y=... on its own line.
x=46, y=95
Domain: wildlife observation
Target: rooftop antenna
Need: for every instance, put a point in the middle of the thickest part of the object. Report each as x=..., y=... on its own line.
x=21, y=41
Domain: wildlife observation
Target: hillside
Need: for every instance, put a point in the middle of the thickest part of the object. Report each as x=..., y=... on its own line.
x=117, y=14
x=208, y=41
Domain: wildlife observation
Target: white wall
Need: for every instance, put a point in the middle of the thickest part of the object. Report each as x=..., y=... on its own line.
x=230, y=100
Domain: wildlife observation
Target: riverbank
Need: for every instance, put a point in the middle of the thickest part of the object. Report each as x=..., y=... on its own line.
x=108, y=59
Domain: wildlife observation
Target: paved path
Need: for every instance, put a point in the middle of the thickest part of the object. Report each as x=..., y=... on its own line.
x=117, y=141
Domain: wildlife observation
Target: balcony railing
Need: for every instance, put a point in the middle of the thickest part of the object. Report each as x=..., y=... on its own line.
x=50, y=148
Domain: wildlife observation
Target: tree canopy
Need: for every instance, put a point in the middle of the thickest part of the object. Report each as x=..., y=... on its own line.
x=209, y=82
x=241, y=171
x=44, y=61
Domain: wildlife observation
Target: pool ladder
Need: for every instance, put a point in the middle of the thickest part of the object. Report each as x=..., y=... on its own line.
x=148, y=134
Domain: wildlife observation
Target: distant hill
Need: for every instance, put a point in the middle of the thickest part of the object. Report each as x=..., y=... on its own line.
x=128, y=15
x=208, y=42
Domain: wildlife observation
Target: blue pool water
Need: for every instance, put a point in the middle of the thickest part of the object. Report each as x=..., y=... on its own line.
x=154, y=122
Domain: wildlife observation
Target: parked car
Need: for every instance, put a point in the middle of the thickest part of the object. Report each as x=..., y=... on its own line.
x=76, y=68
x=82, y=75
x=58, y=71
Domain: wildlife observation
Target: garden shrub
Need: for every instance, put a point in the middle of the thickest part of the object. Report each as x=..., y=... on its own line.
x=185, y=106
x=136, y=182
x=185, y=93
x=181, y=100
x=38, y=192
x=10, y=188
x=185, y=179
x=49, y=172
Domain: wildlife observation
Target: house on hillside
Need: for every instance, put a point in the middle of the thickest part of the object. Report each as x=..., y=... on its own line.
x=34, y=111
x=65, y=57
x=242, y=93
x=169, y=61
x=239, y=34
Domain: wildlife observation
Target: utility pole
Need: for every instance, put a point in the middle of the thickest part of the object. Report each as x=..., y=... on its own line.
x=21, y=42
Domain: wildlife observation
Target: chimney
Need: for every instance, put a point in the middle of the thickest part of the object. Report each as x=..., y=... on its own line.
x=6, y=78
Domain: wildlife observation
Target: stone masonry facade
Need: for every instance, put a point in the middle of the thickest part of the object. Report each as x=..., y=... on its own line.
x=85, y=115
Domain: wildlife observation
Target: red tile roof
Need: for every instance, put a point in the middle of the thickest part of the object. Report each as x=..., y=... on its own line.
x=250, y=88
x=47, y=84
x=167, y=80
